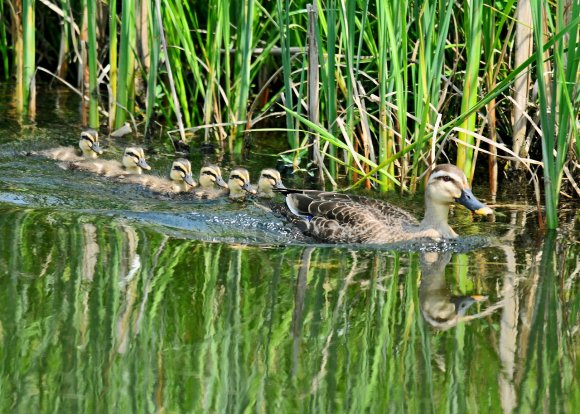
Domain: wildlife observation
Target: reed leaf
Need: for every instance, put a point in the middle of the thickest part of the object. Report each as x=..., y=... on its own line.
x=92, y=58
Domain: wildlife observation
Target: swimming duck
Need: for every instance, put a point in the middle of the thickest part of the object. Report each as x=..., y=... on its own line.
x=211, y=182
x=89, y=148
x=133, y=162
x=239, y=184
x=342, y=218
x=270, y=179
x=180, y=181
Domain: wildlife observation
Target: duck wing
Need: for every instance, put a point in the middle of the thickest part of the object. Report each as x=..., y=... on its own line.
x=344, y=218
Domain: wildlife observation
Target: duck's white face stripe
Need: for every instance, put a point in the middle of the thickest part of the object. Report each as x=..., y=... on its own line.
x=447, y=176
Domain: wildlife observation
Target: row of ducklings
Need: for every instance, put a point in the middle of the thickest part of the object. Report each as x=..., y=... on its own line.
x=130, y=170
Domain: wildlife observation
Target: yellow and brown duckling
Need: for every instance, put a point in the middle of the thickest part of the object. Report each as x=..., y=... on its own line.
x=270, y=179
x=89, y=148
x=239, y=184
x=133, y=162
x=181, y=179
x=211, y=182
x=343, y=218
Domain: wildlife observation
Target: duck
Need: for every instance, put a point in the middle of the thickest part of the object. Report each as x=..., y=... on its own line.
x=181, y=179
x=270, y=179
x=211, y=182
x=342, y=218
x=89, y=148
x=239, y=184
x=439, y=308
x=133, y=162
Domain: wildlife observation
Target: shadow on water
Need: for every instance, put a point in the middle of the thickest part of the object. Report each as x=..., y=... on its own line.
x=112, y=300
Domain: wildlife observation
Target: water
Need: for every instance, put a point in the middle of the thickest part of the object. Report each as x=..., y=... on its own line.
x=112, y=300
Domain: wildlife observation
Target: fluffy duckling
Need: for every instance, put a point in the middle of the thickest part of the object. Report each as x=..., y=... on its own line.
x=239, y=184
x=211, y=182
x=89, y=148
x=133, y=162
x=270, y=179
x=180, y=181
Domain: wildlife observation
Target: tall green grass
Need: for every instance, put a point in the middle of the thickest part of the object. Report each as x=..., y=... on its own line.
x=557, y=76
x=402, y=84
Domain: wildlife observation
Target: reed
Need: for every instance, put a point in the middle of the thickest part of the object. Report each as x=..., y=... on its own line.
x=283, y=14
x=28, y=53
x=113, y=63
x=92, y=58
x=125, y=70
x=473, y=37
x=557, y=77
x=4, y=48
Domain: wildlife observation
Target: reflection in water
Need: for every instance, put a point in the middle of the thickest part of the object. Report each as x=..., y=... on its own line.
x=439, y=308
x=121, y=317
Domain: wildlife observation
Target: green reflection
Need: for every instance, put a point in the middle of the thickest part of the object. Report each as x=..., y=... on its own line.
x=98, y=314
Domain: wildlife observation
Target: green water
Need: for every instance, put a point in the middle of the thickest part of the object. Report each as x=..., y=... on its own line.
x=112, y=300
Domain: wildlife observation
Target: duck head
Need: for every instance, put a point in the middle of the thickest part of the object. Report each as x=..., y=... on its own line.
x=210, y=176
x=134, y=160
x=447, y=184
x=239, y=183
x=270, y=179
x=181, y=172
x=89, y=144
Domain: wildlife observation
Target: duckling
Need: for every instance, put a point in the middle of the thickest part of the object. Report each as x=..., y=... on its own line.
x=133, y=162
x=239, y=184
x=211, y=182
x=180, y=181
x=89, y=148
x=342, y=218
x=270, y=179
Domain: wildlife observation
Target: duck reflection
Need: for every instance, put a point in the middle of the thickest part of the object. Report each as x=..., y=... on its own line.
x=439, y=308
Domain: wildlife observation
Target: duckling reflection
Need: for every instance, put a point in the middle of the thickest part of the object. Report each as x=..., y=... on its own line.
x=438, y=307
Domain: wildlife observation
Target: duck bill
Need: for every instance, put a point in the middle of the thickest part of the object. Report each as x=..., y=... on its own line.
x=279, y=186
x=189, y=180
x=468, y=200
x=220, y=181
x=248, y=188
x=143, y=164
x=96, y=148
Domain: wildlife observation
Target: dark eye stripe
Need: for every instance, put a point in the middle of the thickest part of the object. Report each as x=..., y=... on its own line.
x=132, y=154
x=180, y=169
x=88, y=138
x=209, y=172
x=238, y=177
x=269, y=177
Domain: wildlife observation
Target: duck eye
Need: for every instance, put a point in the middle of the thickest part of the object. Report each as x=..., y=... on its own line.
x=446, y=178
